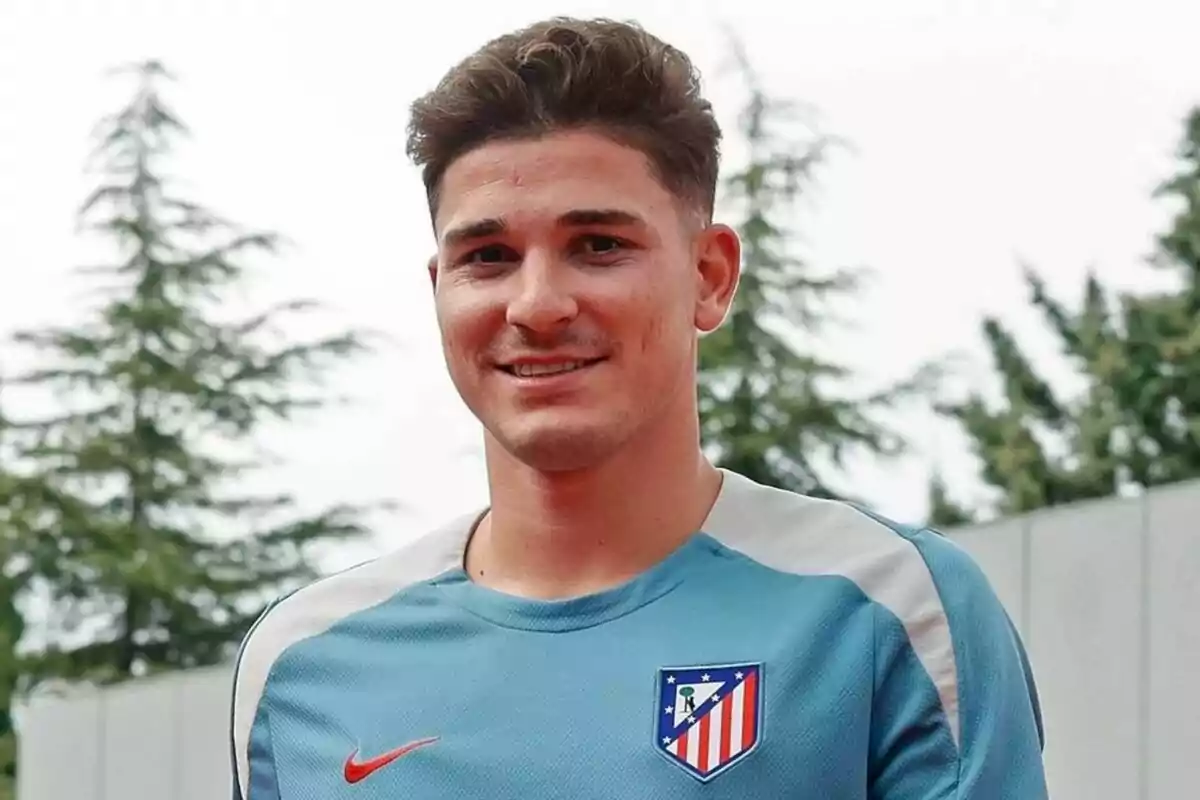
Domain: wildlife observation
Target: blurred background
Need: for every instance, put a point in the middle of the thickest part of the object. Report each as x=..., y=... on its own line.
x=971, y=300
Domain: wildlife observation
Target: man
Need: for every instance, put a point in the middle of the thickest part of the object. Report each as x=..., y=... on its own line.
x=623, y=620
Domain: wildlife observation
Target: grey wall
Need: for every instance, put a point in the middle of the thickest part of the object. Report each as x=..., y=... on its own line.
x=1107, y=598
x=1105, y=594
x=164, y=738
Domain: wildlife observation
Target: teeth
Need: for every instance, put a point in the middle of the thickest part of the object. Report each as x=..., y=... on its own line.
x=531, y=370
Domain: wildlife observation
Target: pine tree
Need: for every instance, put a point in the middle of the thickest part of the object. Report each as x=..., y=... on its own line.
x=1136, y=423
x=1179, y=246
x=770, y=409
x=1163, y=331
x=162, y=558
x=943, y=511
x=24, y=551
x=1035, y=447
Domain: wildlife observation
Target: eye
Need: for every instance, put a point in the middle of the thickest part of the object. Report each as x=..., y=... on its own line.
x=490, y=254
x=598, y=245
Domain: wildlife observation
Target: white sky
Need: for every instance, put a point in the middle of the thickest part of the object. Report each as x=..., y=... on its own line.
x=983, y=134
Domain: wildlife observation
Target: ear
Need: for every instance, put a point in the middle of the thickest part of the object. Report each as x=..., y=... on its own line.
x=433, y=271
x=718, y=269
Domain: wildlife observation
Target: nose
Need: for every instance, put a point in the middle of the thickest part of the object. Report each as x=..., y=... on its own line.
x=544, y=302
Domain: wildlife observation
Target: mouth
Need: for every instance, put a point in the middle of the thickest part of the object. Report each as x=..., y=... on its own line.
x=548, y=369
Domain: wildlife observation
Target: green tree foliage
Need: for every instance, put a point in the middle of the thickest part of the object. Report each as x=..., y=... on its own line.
x=943, y=509
x=1136, y=422
x=25, y=551
x=126, y=503
x=1034, y=448
x=772, y=406
x=1164, y=334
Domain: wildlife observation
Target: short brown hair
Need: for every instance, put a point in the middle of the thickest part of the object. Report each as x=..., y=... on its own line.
x=562, y=74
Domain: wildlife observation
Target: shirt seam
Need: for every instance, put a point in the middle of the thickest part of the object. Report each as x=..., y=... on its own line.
x=604, y=619
x=706, y=545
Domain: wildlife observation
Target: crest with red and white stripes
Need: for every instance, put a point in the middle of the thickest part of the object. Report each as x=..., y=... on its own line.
x=708, y=718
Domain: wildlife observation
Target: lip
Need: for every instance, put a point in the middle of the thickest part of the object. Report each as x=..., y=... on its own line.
x=553, y=382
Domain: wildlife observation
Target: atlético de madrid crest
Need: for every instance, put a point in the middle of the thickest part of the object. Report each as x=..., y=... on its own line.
x=708, y=717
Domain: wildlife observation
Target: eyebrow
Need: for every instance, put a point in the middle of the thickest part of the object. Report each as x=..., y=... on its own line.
x=484, y=228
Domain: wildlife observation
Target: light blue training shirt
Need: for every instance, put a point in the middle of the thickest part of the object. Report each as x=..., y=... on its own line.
x=792, y=648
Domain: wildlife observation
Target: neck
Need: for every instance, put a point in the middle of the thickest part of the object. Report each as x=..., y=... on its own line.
x=567, y=534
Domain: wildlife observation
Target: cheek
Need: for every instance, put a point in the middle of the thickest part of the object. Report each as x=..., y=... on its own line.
x=467, y=323
x=666, y=326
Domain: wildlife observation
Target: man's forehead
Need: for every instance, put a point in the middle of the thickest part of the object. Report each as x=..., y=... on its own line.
x=540, y=182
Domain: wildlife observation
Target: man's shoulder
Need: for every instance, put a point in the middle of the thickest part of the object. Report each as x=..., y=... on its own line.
x=918, y=575
x=795, y=533
x=315, y=608
x=318, y=606
x=929, y=587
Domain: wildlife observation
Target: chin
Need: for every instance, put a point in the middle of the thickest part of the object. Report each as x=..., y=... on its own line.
x=562, y=447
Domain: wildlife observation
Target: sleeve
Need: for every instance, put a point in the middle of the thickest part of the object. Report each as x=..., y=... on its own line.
x=972, y=730
x=252, y=762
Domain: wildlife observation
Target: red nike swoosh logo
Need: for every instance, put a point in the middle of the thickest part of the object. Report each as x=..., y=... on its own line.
x=356, y=771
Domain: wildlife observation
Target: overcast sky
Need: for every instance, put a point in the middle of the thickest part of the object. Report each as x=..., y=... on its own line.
x=982, y=134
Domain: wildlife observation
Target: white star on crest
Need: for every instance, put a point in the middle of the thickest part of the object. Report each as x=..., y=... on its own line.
x=669, y=710
x=704, y=677
x=739, y=675
x=691, y=720
x=670, y=679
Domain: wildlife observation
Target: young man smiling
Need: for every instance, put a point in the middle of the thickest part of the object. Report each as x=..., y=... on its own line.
x=623, y=620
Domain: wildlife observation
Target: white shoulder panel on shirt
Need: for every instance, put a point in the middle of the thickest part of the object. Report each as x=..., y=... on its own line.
x=791, y=533
x=315, y=608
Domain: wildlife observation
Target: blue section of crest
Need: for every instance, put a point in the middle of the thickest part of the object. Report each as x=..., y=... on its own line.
x=730, y=676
